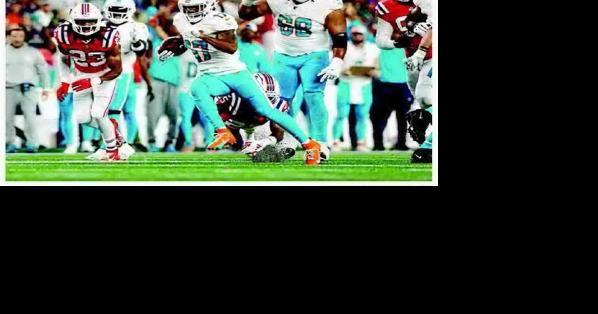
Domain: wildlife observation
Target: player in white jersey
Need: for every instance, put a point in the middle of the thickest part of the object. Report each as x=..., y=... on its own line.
x=211, y=38
x=301, y=54
x=134, y=38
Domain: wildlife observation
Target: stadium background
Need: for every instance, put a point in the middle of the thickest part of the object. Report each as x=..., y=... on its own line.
x=40, y=24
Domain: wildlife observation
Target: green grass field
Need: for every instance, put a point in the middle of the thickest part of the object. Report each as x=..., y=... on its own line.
x=221, y=166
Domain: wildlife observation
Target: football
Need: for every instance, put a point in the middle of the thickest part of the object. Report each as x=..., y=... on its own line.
x=174, y=44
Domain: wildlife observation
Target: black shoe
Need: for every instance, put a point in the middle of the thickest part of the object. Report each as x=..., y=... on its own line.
x=422, y=156
x=140, y=148
x=379, y=148
x=400, y=147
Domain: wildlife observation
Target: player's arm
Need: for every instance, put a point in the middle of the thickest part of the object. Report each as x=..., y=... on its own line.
x=252, y=9
x=336, y=25
x=224, y=41
x=277, y=131
x=144, y=64
x=114, y=63
x=416, y=61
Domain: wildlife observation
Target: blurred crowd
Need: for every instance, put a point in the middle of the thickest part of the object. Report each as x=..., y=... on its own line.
x=361, y=102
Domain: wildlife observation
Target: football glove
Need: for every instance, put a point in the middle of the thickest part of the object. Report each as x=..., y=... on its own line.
x=418, y=121
x=415, y=62
x=83, y=84
x=422, y=28
x=333, y=71
x=62, y=91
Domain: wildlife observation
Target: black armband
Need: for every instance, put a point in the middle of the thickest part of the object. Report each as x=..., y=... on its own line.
x=339, y=40
x=139, y=46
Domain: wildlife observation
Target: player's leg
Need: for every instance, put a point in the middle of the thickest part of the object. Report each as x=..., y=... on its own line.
x=208, y=129
x=247, y=87
x=203, y=90
x=186, y=107
x=12, y=100
x=313, y=92
x=285, y=70
x=424, y=88
x=172, y=112
x=362, y=113
x=402, y=104
x=120, y=96
x=343, y=106
x=129, y=111
x=102, y=98
x=155, y=110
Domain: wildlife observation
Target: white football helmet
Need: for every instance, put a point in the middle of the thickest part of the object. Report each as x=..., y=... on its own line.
x=119, y=11
x=270, y=87
x=85, y=18
x=196, y=10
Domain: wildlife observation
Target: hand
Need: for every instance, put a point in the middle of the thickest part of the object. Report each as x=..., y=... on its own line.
x=415, y=62
x=150, y=93
x=83, y=84
x=422, y=28
x=62, y=91
x=251, y=147
x=165, y=55
x=333, y=71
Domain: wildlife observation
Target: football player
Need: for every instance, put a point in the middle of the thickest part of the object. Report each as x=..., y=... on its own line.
x=134, y=38
x=210, y=36
x=301, y=55
x=94, y=48
x=403, y=24
x=237, y=113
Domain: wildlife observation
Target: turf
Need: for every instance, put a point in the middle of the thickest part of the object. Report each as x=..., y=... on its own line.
x=221, y=166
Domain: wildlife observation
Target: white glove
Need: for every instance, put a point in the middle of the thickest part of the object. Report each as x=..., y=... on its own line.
x=415, y=62
x=252, y=147
x=422, y=28
x=333, y=71
x=165, y=55
x=249, y=3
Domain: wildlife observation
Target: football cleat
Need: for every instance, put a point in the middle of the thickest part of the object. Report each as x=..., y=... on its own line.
x=98, y=155
x=222, y=136
x=111, y=155
x=422, y=156
x=312, y=153
x=361, y=147
x=418, y=121
x=70, y=149
x=126, y=151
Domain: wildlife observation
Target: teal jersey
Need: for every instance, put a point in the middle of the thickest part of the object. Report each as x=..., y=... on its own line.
x=255, y=57
x=169, y=70
x=392, y=68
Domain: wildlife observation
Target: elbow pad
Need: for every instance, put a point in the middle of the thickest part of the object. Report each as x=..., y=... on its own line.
x=339, y=40
x=139, y=46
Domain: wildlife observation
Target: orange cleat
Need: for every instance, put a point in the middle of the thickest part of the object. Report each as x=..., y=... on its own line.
x=222, y=136
x=312, y=153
